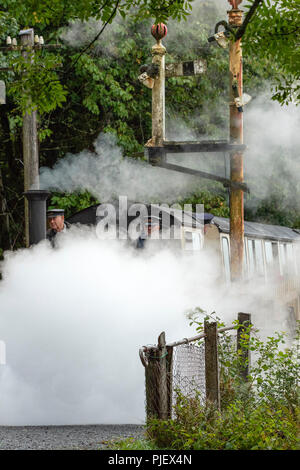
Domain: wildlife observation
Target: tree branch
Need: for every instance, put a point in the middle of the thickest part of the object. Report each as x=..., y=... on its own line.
x=241, y=31
x=98, y=35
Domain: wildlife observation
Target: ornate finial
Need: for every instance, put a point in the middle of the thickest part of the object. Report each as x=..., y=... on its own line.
x=159, y=31
x=235, y=3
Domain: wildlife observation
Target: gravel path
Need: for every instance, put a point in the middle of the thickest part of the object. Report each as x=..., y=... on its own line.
x=65, y=437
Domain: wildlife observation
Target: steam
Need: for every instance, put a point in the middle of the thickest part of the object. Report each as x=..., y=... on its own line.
x=107, y=174
x=272, y=137
x=73, y=319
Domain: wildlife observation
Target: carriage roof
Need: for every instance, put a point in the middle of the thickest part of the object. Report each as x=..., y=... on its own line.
x=89, y=215
x=252, y=229
x=259, y=230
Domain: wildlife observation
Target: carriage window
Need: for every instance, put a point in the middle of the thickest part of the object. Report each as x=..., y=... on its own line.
x=245, y=263
x=269, y=253
x=196, y=241
x=283, y=257
x=290, y=258
x=275, y=251
x=272, y=260
x=251, y=256
x=259, y=257
x=226, y=258
x=192, y=241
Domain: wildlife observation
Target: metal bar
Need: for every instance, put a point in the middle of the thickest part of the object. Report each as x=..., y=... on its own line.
x=180, y=342
x=195, y=338
x=203, y=146
x=202, y=174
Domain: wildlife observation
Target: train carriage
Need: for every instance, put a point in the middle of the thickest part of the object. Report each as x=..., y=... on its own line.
x=271, y=251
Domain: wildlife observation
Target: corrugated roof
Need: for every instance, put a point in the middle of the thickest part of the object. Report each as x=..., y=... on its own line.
x=258, y=230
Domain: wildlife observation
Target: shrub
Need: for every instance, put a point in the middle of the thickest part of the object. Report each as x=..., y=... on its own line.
x=261, y=413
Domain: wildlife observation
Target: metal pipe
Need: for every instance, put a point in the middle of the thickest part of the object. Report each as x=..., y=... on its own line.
x=184, y=340
x=37, y=214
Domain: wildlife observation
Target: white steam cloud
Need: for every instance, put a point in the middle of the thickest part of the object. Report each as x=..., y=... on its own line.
x=74, y=317
x=107, y=174
x=271, y=133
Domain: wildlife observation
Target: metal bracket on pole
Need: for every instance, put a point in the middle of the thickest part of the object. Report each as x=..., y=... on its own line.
x=157, y=156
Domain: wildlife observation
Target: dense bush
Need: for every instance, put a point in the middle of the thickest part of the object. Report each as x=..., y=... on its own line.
x=262, y=413
x=237, y=427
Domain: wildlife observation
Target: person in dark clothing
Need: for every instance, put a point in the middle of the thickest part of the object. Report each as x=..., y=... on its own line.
x=150, y=226
x=57, y=223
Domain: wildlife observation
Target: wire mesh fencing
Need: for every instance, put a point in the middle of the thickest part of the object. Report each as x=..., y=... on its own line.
x=188, y=371
x=189, y=367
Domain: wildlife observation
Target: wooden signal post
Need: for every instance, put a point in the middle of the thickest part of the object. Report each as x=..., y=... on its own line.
x=157, y=147
x=235, y=19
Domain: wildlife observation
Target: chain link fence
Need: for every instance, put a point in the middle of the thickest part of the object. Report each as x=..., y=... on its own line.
x=189, y=366
x=188, y=371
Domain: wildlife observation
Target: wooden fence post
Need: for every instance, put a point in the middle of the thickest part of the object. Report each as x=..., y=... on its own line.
x=170, y=380
x=211, y=363
x=162, y=379
x=158, y=389
x=151, y=385
x=244, y=320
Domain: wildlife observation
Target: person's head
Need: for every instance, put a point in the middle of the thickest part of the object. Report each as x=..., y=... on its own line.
x=151, y=225
x=56, y=219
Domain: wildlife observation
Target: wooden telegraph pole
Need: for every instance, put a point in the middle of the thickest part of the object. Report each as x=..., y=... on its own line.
x=235, y=19
x=29, y=42
x=30, y=134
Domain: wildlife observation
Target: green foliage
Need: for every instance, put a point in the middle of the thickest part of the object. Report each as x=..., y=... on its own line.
x=72, y=202
x=36, y=85
x=236, y=428
x=80, y=91
x=213, y=203
x=262, y=413
x=273, y=35
x=55, y=11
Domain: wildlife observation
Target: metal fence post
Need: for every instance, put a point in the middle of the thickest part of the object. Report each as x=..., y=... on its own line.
x=244, y=320
x=212, y=363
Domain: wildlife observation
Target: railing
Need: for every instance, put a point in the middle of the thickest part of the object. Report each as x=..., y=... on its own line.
x=186, y=366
